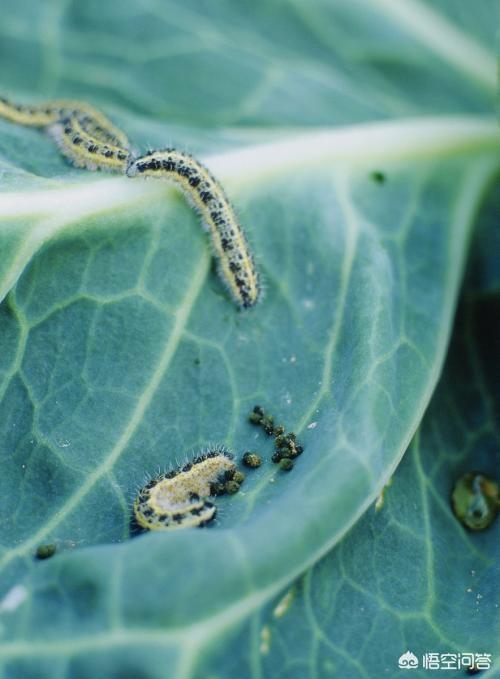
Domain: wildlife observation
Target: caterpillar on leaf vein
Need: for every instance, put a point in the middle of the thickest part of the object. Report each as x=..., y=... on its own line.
x=236, y=265
x=89, y=140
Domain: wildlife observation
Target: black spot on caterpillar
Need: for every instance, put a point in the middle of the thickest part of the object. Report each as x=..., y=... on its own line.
x=236, y=266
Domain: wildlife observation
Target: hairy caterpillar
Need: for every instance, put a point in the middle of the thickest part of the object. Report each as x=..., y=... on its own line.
x=50, y=112
x=79, y=139
x=179, y=498
x=236, y=265
x=89, y=140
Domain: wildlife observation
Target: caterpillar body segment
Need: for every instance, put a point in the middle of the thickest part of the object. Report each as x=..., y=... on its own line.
x=50, y=112
x=76, y=137
x=235, y=261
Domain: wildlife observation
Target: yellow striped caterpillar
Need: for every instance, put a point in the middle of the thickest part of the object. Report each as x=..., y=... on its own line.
x=79, y=139
x=179, y=498
x=236, y=265
x=50, y=112
x=89, y=140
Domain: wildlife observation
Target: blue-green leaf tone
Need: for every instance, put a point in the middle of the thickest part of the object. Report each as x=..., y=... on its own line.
x=357, y=142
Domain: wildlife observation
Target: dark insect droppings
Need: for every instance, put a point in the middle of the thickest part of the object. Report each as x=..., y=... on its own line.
x=45, y=551
x=378, y=176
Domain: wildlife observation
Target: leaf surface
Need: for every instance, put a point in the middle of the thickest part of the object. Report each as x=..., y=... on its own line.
x=408, y=576
x=121, y=351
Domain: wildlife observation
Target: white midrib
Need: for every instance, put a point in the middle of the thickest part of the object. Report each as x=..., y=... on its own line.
x=367, y=145
x=353, y=145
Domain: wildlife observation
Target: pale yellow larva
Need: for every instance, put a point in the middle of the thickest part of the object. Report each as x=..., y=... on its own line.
x=179, y=499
